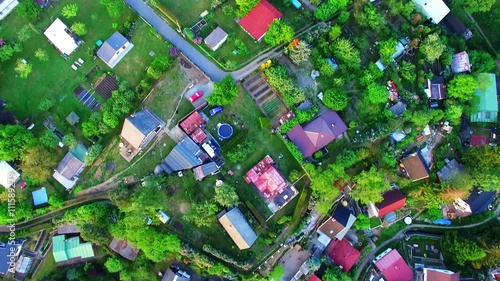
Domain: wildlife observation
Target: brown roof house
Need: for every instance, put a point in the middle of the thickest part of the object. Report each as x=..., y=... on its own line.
x=70, y=167
x=238, y=228
x=415, y=166
x=336, y=226
x=318, y=133
x=433, y=274
x=216, y=38
x=124, y=249
x=138, y=130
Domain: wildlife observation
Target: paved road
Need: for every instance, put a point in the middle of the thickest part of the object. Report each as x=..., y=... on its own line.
x=401, y=235
x=215, y=73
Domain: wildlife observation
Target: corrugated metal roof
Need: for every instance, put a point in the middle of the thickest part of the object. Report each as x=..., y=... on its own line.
x=111, y=45
x=488, y=101
x=238, y=228
x=63, y=249
x=185, y=155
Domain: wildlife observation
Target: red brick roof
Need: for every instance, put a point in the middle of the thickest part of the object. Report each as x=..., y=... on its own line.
x=266, y=178
x=393, y=200
x=394, y=268
x=314, y=278
x=191, y=122
x=343, y=254
x=257, y=22
x=198, y=135
x=476, y=140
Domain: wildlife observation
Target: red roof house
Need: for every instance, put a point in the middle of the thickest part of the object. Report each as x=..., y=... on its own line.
x=314, y=278
x=318, y=133
x=343, y=254
x=257, y=22
x=393, y=267
x=476, y=140
x=191, y=122
x=266, y=178
x=393, y=200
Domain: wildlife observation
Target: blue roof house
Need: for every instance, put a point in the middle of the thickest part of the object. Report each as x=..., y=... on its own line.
x=40, y=197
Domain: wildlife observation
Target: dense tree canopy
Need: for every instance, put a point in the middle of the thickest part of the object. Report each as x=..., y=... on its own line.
x=245, y=6
x=114, y=7
x=387, y=49
x=346, y=53
x=225, y=92
x=369, y=186
x=432, y=47
x=299, y=53
x=279, y=32
x=459, y=249
x=376, y=94
x=329, y=7
x=38, y=163
x=474, y=6
x=483, y=163
x=481, y=61
x=70, y=10
x=462, y=87
x=335, y=274
x=226, y=196
x=335, y=99
x=14, y=140
x=28, y=9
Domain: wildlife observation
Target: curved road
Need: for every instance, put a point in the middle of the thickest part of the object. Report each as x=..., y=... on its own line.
x=401, y=235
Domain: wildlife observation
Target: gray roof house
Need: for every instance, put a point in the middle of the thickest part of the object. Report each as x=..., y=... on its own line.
x=70, y=167
x=185, y=155
x=114, y=49
x=451, y=169
x=238, y=228
x=204, y=170
x=216, y=38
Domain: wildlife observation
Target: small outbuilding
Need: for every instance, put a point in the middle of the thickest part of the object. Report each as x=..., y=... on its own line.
x=460, y=63
x=114, y=49
x=61, y=37
x=40, y=197
x=216, y=38
x=72, y=118
x=8, y=176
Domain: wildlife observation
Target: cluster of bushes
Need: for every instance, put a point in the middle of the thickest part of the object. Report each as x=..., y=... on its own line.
x=209, y=249
x=241, y=151
x=279, y=79
x=203, y=262
x=112, y=111
x=301, y=116
x=159, y=65
x=294, y=150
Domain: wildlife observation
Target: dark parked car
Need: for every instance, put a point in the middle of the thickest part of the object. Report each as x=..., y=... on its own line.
x=216, y=110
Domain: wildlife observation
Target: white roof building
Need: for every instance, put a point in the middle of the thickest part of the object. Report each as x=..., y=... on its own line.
x=61, y=37
x=435, y=10
x=8, y=176
x=6, y=6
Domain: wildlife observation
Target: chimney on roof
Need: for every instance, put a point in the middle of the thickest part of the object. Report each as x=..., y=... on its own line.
x=396, y=267
x=333, y=125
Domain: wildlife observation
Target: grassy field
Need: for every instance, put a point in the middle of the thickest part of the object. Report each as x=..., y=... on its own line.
x=54, y=79
x=183, y=11
x=47, y=266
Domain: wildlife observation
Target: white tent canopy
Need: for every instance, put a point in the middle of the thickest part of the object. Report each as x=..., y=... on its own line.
x=58, y=35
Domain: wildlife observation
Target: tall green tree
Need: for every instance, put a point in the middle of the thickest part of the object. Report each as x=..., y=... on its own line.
x=23, y=69
x=335, y=274
x=93, y=153
x=369, y=186
x=24, y=34
x=376, y=94
x=48, y=140
x=407, y=71
x=462, y=87
x=474, y=6
x=113, y=265
x=6, y=52
x=278, y=33
x=362, y=222
x=460, y=249
x=79, y=28
x=14, y=140
x=335, y=99
x=245, y=6
x=114, y=7
x=481, y=61
x=226, y=196
x=432, y=47
x=329, y=7
x=69, y=140
x=387, y=49
x=41, y=54
x=344, y=50
x=38, y=163
x=70, y=11
x=202, y=214
x=28, y=10
x=225, y=92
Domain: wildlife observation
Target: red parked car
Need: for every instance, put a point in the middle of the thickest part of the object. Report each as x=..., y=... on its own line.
x=194, y=97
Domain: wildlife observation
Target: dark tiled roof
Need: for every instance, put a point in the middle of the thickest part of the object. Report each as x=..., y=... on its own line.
x=479, y=200
x=343, y=254
x=393, y=200
x=454, y=24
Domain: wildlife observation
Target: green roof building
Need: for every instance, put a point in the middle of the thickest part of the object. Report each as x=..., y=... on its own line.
x=66, y=249
x=488, y=102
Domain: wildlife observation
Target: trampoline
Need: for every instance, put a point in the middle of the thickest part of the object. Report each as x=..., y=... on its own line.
x=225, y=131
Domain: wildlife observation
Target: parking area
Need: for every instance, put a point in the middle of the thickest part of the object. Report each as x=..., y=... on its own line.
x=205, y=88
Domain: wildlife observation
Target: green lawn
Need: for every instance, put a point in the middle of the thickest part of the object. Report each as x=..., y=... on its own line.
x=187, y=11
x=48, y=265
